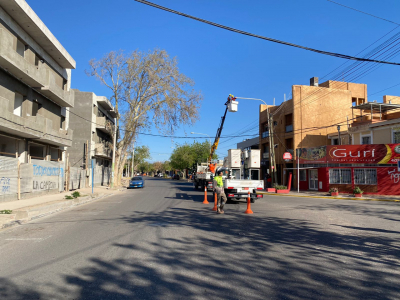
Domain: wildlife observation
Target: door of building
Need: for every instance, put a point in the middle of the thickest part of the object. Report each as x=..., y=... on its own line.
x=313, y=182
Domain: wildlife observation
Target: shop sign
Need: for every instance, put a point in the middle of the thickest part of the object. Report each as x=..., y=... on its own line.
x=287, y=155
x=352, y=154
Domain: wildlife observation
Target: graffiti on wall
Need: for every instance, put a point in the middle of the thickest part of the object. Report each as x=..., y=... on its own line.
x=5, y=185
x=47, y=171
x=44, y=185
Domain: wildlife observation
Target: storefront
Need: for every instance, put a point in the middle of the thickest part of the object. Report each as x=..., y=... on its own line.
x=373, y=168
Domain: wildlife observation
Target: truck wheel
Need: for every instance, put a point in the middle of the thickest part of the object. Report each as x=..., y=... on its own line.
x=252, y=200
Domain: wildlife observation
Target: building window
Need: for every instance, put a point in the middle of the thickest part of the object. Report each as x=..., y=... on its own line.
x=289, y=122
x=339, y=176
x=36, y=106
x=365, y=176
x=396, y=137
x=303, y=175
x=18, y=104
x=54, y=153
x=365, y=140
x=7, y=146
x=21, y=47
x=335, y=141
x=36, y=151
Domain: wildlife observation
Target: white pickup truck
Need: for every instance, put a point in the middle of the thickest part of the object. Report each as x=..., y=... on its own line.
x=238, y=189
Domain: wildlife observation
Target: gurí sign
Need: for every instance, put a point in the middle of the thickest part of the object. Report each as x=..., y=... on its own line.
x=352, y=154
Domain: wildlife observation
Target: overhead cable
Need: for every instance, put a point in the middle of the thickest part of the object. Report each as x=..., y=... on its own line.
x=265, y=38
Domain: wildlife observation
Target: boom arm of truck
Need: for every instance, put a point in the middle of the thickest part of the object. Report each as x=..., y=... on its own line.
x=221, y=126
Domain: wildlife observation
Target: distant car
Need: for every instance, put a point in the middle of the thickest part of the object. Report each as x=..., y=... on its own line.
x=160, y=175
x=136, y=182
x=175, y=176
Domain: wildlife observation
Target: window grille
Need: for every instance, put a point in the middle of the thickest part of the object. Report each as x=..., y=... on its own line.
x=340, y=176
x=365, y=176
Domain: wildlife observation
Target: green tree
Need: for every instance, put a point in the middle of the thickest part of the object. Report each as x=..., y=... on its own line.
x=182, y=157
x=141, y=154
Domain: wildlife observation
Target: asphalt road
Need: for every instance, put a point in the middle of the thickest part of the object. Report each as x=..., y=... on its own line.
x=161, y=242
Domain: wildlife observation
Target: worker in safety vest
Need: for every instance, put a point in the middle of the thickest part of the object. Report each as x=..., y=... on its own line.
x=218, y=187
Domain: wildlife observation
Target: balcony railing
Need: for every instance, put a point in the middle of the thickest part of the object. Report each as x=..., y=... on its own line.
x=103, y=150
x=289, y=128
x=56, y=93
x=104, y=125
x=265, y=134
x=36, y=127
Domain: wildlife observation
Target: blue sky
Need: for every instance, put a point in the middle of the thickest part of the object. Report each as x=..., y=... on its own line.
x=221, y=62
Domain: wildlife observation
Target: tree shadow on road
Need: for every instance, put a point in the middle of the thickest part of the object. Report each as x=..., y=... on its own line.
x=244, y=257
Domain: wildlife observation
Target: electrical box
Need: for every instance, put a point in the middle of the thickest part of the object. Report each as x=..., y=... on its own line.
x=233, y=106
x=234, y=158
x=254, y=159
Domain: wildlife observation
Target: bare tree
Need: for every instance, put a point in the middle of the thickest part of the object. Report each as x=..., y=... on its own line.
x=146, y=87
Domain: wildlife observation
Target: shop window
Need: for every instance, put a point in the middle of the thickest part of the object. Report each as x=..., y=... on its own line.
x=396, y=137
x=340, y=176
x=365, y=176
x=36, y=151
x=303, y=175
x=18, y=104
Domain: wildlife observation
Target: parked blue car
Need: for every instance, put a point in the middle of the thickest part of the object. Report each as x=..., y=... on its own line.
x=136, y=182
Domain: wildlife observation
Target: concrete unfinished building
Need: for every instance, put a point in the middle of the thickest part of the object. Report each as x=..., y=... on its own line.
x=35, y=79
x=93, y=121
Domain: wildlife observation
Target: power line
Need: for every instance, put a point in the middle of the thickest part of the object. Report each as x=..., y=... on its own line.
x=363, y=12
x=265, y=38
x=166, y=136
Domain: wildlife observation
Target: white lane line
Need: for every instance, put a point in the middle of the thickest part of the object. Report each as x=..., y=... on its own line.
x=110, y=202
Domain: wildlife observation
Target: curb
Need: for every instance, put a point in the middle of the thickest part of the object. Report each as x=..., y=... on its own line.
x=29, y=213
x=330, y=197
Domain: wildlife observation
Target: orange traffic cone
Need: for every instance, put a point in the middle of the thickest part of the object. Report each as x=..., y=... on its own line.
x=248, y=210
x=215, y=208
x=205, y=196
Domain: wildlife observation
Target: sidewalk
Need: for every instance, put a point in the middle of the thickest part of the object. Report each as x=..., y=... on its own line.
x=313, y=194
x=33, y=208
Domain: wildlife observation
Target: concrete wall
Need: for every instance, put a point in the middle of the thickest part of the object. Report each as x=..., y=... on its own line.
x=82, y=128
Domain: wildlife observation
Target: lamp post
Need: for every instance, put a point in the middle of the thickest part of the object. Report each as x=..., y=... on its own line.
x=271, y=139
x=338, y=129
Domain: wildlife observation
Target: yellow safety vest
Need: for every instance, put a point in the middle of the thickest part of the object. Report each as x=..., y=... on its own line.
x=219, y=181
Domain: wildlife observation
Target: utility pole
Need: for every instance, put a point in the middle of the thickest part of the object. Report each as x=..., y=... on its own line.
x=272, y=148
x=113, y=157
x=133, y=159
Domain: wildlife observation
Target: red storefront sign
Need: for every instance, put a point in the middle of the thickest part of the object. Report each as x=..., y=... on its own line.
x=351, y=154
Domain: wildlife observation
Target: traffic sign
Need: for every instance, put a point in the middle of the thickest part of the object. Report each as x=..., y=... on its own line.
x=287, y=155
